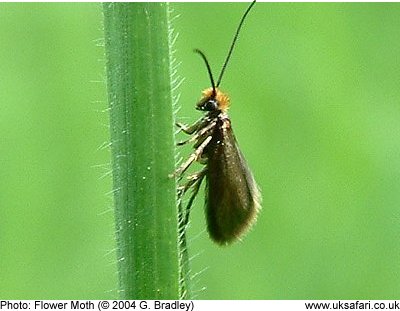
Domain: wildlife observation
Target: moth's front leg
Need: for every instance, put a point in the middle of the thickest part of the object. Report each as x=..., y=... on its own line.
x=190, y=129
x=201, y=131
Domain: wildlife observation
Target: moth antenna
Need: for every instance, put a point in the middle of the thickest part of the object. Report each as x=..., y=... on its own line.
x=208, y=69
x=234, y=42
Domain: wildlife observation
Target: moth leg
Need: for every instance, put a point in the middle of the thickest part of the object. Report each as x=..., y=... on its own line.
x=200, y=133
x=192, y=179
x=193, y=157
x=190, y=129
x=194, y=183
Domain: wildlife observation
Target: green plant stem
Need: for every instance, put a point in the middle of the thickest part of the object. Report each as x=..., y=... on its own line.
x=141, y=117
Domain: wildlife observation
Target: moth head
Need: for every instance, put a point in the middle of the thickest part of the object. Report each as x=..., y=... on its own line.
x=213, y=100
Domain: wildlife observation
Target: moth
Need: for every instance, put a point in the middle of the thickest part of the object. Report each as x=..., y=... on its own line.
x=233, y=198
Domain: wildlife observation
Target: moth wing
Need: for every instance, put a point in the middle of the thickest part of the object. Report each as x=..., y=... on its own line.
x=232, y=195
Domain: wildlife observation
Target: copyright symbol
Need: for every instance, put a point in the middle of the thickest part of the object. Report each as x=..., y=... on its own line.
x=104, y=305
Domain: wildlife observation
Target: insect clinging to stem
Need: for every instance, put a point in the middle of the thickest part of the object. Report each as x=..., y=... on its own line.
x=232, y=196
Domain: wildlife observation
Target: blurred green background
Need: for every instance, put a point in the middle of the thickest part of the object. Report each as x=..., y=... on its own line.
x=315, y=108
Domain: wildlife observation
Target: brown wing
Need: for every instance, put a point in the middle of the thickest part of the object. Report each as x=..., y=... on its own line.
x=232, y=195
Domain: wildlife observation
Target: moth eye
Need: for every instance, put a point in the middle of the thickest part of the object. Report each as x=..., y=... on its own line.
x=210, y=105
